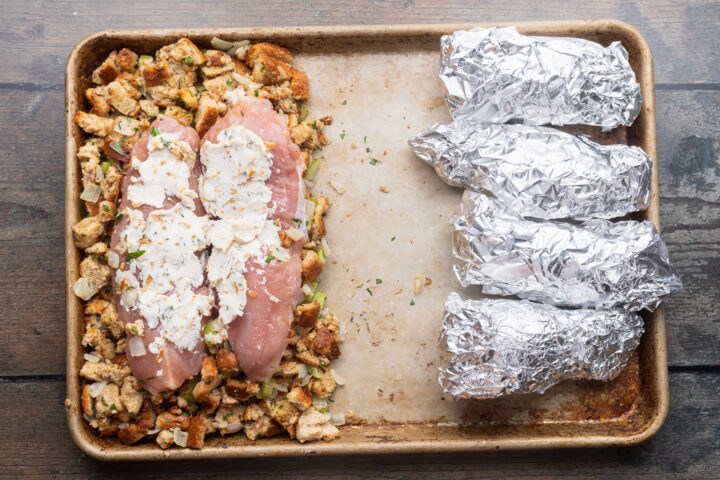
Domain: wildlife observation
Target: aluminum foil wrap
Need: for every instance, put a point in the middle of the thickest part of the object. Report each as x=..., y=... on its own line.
x=597, y=263
x=539, y=172
x=498, y=346
x=498, y=75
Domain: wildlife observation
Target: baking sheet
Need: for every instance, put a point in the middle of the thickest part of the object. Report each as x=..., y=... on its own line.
x=380, y=84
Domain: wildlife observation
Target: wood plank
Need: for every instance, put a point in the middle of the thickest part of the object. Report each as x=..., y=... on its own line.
x=680, y=34
x=689, y=162
x=38, y=445
x=32, y=179
x=31, y=251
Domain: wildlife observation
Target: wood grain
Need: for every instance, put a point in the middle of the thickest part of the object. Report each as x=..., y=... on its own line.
x=679, y=33
x=36, y=445
x=31, y=198
x=689, y=170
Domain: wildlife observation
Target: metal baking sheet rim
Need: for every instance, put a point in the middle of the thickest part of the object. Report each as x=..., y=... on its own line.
x=366, y=439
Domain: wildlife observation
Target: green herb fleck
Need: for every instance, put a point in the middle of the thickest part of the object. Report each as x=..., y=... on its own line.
x=373, y=161
x=342, y=136
x=392, y=239
x=256, y=93
x=412, y=302
x=367, y=149
x=106, y=208
x=135, y=254
x=228, y=83
x=269, y=258
x=344, y=102
x=189, y=61
x=154, y=131
x=369, y=291
x=378, y=281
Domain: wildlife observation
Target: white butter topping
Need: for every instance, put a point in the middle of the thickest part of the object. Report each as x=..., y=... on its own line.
x=160, y=282
x=232, y=96
x=166, y=172
x=167, y=272
x=233, y=190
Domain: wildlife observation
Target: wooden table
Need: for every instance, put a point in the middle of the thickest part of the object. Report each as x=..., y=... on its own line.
x=35, y=39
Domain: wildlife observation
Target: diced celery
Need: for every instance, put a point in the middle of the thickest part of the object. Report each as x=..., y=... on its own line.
x=312, y=169
x=321, y=254
x=105, y=166
x=266, y=389
x=188, y=388
x=208, y=332
x=315, y=372
x=320, y=298
x=144, y=60
x=303, y=113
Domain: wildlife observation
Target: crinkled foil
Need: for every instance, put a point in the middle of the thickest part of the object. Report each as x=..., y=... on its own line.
x=498, y=346
x=597, y=264
x=498, y=75
x=539, y=172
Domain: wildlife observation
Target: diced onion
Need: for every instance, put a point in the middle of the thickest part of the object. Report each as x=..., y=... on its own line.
x=136, y=347
x=113, y=259
x=307, y=290
x=85, y=288
x=308, y=184
x=99, y=174
x=281, y=388
x=220, y=44
x=328, y=416
x=97, y=388
x=303, y=371
x=152, y=432
x=124, y=425
x=418, y=286
x=338, y=379
x=233, y=427
x=325, y=247
x=319, y=402
x=87, y=417
x=121, y=246
x=180, y=438
x=337, y=186
x=129, y=297
x=246, y=82
x=309, y=210
x=125, y=126
x=90, y=193
x=294, y=234
x=92, y=357
x=337, y=419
